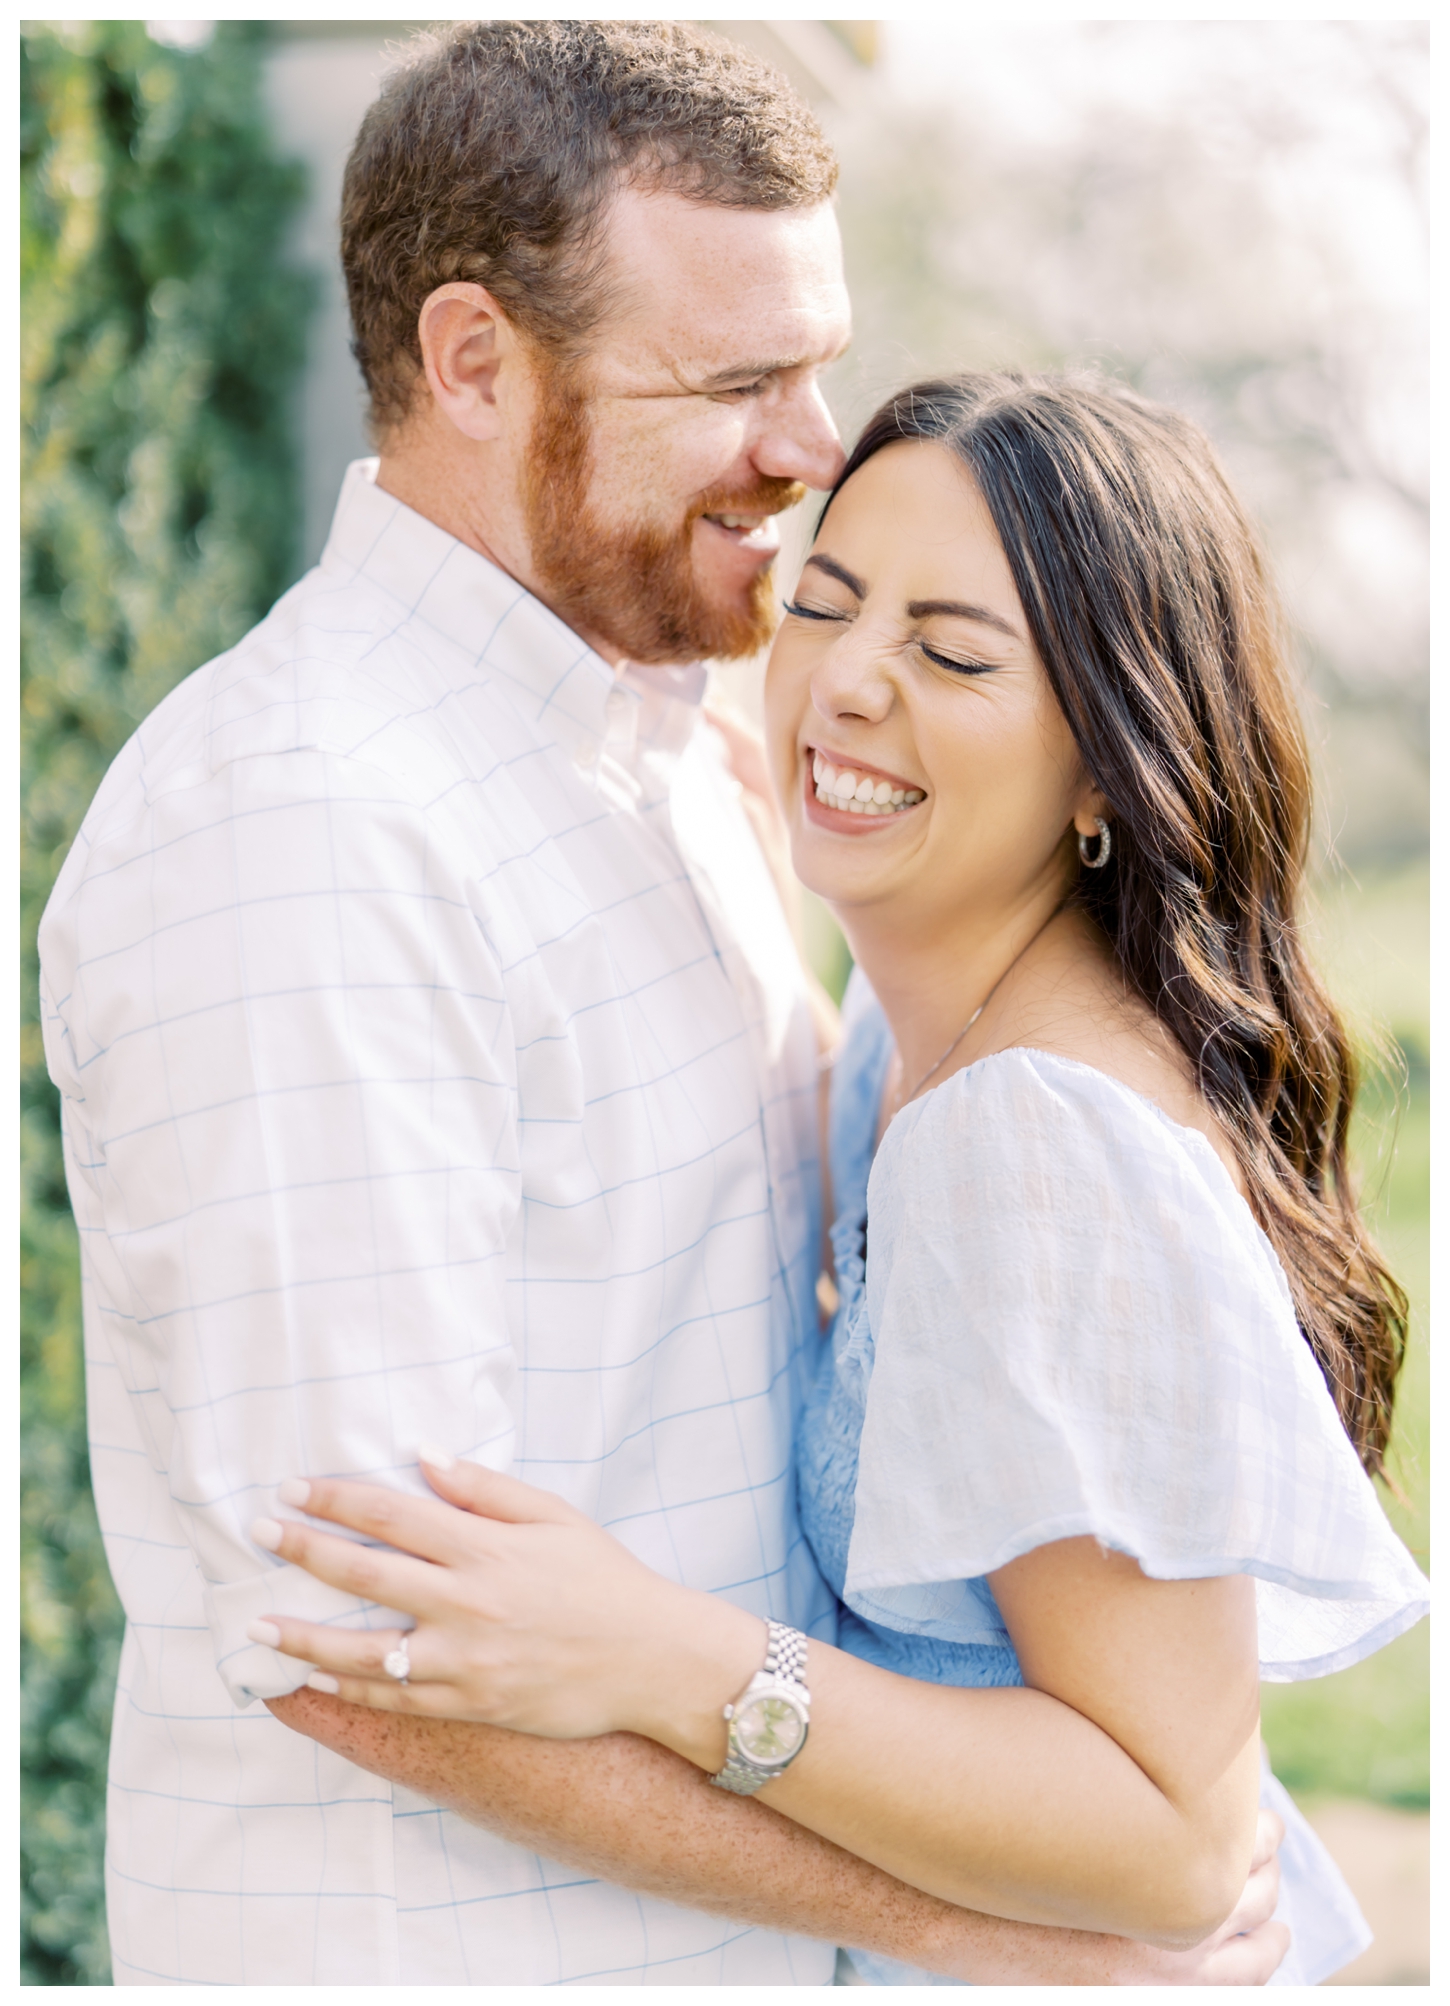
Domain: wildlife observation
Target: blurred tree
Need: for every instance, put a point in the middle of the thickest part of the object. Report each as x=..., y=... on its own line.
x=162, y=332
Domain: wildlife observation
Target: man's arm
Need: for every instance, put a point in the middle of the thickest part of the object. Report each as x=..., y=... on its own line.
x=292, y=1149
x=635, y=1814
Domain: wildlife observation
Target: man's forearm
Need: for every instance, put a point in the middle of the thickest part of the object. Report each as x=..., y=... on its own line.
x=639, y=1816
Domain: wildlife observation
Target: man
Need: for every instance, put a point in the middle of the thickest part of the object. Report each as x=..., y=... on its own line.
x=438, y=1068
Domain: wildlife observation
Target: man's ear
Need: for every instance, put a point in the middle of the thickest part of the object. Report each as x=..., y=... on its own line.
x=468, y=345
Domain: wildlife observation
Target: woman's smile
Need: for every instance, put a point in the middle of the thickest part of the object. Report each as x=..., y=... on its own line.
x=848, y=794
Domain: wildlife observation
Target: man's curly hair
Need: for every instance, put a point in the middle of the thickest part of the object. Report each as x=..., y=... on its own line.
x=492, y=152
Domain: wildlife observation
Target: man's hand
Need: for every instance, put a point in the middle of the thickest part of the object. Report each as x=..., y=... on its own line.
x=635, y=1814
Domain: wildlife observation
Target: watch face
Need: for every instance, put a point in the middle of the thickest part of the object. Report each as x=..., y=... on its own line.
x=769, y=1729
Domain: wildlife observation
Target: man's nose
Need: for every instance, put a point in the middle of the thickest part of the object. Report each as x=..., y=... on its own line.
x=799, y=441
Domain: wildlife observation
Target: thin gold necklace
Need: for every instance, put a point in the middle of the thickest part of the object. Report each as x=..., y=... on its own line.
x=899, y=1100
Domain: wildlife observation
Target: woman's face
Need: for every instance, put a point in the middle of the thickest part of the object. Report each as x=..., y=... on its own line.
x=905, y=669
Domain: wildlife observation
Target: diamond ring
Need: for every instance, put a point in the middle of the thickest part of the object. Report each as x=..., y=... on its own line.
x=396, y=1665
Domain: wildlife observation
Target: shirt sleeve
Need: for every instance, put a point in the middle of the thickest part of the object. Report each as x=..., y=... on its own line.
x=1079, y=1329
x=290, y=1113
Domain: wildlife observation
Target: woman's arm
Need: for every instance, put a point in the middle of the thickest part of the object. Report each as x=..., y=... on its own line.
x=1118, y=1794
x=1117, y=1791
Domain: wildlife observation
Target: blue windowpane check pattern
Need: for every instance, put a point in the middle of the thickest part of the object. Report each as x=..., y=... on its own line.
x=436, y=1067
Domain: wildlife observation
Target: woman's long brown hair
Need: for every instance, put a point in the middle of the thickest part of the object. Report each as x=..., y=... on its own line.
x=1150, y=604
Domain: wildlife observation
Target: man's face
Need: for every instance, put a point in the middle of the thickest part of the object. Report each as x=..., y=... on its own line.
x=657, y=467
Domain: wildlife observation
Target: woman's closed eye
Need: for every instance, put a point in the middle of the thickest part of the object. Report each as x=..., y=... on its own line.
x=955, y=663
x=959, y=665
x=804, y=612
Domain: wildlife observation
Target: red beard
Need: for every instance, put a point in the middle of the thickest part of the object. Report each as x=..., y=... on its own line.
x=636, y=592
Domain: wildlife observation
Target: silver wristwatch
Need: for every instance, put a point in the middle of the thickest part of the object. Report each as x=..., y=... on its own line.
x=770, y=1720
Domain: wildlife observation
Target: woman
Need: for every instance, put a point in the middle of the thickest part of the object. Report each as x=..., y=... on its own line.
x=1081, y=1458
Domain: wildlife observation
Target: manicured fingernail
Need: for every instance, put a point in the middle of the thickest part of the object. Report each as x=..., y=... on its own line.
x=293, y=1491
x=263, y=1632
x=324, y=1682
x=436, y=1458
x=266, y=1532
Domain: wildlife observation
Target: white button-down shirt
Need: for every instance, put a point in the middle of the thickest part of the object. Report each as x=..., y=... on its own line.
x=436, y=1068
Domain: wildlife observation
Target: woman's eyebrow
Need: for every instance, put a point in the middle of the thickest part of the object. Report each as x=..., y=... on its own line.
x=838, y=571
x=922, y=609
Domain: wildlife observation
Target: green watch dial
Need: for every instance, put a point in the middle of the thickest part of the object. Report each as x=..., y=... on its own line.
x=769, y=1730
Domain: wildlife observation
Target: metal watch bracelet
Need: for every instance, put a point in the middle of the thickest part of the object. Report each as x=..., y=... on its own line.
x=779, y=1686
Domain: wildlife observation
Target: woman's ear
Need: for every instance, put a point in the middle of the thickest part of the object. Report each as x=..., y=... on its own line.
x=1091, y=804
x=468, y=345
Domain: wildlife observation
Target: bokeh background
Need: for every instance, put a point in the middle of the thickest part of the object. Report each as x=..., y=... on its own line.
x=1232, y=216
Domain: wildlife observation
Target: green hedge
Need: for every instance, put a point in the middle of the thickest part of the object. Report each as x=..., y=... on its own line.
x=162, y=335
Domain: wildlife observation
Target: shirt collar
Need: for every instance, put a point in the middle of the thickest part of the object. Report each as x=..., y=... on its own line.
x=625, y=731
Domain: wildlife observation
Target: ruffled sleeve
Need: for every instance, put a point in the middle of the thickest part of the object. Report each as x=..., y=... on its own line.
x=1079, y=1328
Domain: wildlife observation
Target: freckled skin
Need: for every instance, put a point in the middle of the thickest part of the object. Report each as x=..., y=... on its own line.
x=632, y=1812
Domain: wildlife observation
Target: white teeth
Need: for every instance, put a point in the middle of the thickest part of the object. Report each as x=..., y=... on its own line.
x=851, y=793
x=735, y=521
x=852, y=804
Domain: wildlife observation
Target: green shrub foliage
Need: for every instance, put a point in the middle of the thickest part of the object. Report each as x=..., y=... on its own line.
x=163, y=330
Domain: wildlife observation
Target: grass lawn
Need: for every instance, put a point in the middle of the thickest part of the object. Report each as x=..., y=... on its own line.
x=1366, y=1732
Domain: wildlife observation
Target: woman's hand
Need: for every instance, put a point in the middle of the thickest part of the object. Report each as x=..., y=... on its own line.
x=527, y=1614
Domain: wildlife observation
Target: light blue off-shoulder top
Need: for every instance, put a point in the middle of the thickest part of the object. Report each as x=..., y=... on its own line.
x=1070, y=1323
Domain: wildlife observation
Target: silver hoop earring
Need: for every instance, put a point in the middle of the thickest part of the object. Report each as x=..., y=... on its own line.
x=1105, y=846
